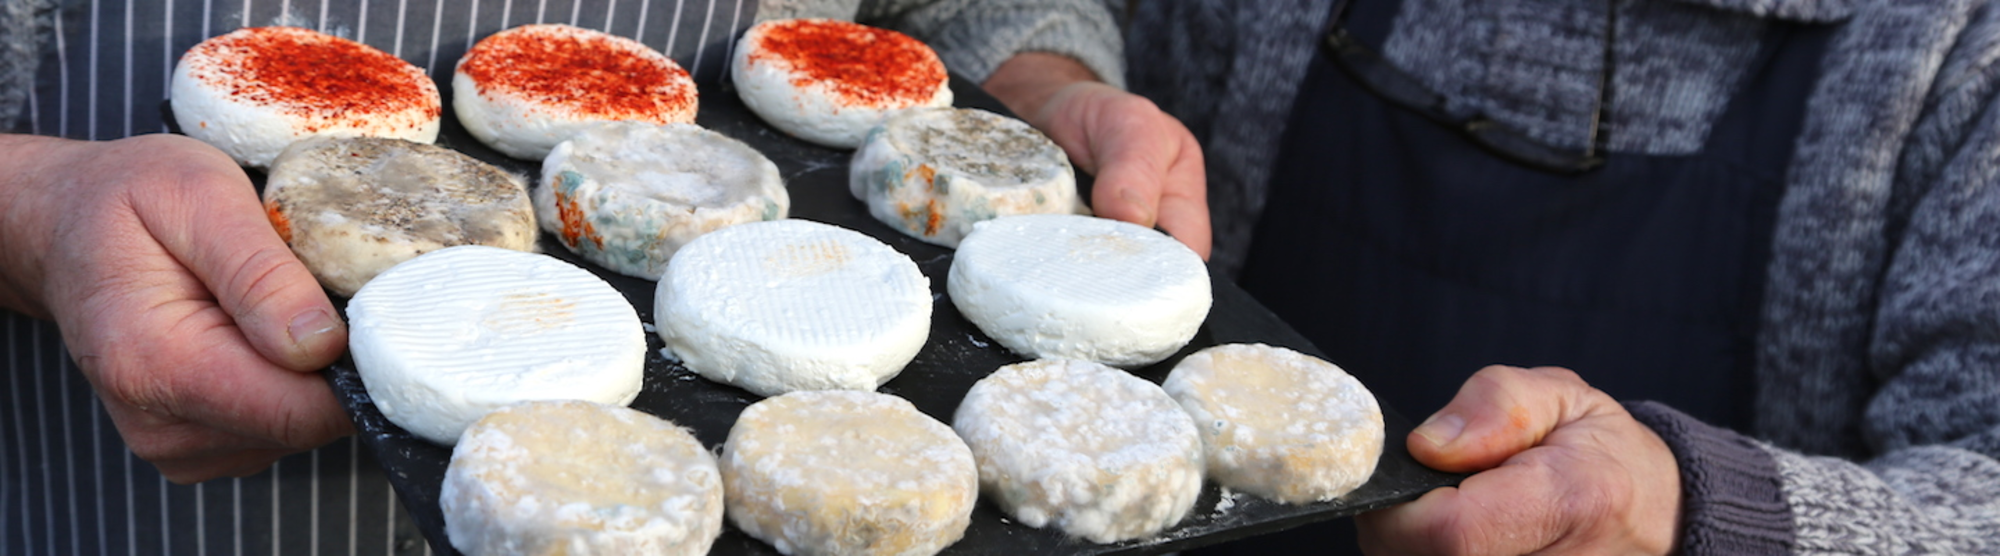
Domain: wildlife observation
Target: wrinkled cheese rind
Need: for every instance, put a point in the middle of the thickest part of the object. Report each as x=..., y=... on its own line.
x=1278, y=423
x=574, y=478
x=786, y=305
x=353, y=207
x=446, y=337
x=1093, y=450
x=1079, y=287
x=934, y=172
x=628, y=195
x=806, y=108
x=842, y=472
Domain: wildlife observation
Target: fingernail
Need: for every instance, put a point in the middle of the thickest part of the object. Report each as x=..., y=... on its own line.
x=311, y=325
x=1441, y=428
x=1146, y=216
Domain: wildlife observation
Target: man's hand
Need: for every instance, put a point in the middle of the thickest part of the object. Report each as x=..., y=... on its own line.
x=1148, y=167
x=190, y=317
x=1559, y=468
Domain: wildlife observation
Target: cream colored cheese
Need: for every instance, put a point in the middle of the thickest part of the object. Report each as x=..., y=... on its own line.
x=575, y=478
x=1089, y=449
x=847, y=473
x=1278, y=423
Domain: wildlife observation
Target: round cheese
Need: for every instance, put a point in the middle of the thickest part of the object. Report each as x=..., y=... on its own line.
x=573, y=477
x=448, y=336
x=1080, y=287
x=847, y=472
x=1278, y=423
x=934, y=172
x=829, y=81
x=786, y=305
x=523, y=90
x=352, y=207
x=628, y=195
x=1097, y=452
x=253, y=91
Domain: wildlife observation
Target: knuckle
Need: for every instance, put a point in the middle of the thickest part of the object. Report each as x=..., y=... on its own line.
x=261, y=278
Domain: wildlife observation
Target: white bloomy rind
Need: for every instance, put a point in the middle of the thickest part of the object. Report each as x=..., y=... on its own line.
x=1093, y=450
x=847, y=472
x=628, y=195
x=809, y=109
x=934, y=172
x=442, y=339
x=1278, y=423
x=788, y=305
x=208, y=104
x=574, y=477
x=522, y=126
x=1080, y=287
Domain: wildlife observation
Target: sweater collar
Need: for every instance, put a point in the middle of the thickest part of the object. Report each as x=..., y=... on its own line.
x=1810, y=11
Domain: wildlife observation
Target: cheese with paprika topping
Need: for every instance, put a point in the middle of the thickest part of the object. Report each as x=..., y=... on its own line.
x=829, y=81
x=523, y=90
x=254, y=91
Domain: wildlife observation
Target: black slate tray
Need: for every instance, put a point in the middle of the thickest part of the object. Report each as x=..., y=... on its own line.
x=956, y=355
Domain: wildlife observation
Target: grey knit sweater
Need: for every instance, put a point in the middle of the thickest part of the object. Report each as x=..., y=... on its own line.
x=1877, y=426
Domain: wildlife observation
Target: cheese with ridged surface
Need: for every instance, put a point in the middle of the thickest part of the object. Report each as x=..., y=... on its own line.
x=446, y=337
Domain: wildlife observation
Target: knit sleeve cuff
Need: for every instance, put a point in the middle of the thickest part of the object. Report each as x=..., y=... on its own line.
x=1732, y=499
x=973, y=49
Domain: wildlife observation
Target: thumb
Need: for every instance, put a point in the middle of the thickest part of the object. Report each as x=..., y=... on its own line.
x=208, y=216
x=1499, y=412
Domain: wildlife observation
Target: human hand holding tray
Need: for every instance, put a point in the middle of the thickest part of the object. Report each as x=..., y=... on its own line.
x=956, y=355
